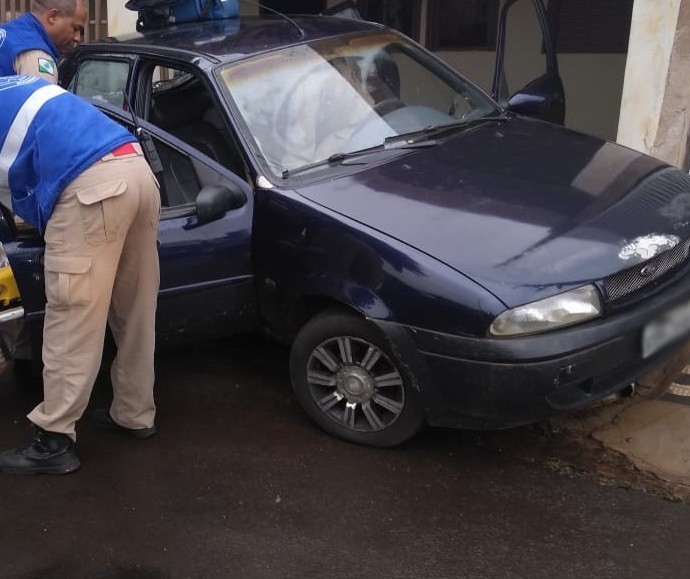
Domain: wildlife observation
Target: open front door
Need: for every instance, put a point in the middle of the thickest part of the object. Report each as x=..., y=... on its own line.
x=204, y=240
x=543, y=97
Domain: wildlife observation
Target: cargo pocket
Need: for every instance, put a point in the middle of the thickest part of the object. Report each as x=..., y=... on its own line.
x=68, y=282
x=98, y=216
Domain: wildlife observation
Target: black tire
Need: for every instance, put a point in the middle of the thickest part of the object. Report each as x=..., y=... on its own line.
x=348, y=380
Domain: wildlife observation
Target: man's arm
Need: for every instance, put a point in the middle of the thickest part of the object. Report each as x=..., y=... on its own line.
x=37, y=63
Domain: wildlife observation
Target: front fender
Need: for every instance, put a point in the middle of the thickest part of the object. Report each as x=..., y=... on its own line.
x=305, y=250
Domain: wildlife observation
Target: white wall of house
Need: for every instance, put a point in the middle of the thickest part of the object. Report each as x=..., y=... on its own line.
x=120, y=20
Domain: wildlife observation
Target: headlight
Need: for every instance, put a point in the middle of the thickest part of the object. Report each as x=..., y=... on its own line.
x=565, y=309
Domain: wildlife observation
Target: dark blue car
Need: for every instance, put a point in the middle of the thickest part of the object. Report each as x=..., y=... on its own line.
x=430, y=255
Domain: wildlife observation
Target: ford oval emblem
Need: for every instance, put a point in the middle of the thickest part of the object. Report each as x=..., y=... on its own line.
x=649, y=269
x=647, y=246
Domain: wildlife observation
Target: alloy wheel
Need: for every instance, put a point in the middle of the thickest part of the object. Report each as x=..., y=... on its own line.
x=355, y=384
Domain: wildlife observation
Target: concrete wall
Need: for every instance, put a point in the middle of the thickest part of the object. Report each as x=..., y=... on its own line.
x=656, y=98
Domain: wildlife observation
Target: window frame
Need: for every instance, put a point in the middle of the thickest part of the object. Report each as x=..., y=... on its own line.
x=604, y=44
x=147, y=65
x=433, y=40
x=268, y=8
x=366, y=5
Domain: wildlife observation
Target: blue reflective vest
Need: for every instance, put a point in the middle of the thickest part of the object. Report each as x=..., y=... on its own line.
x=19, y=35
x=48, y=137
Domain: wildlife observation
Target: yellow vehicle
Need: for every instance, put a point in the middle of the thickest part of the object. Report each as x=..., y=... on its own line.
x=9, y=293
x=14, y=341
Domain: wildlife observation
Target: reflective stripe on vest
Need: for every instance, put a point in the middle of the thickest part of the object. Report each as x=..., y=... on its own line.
x=20, y=126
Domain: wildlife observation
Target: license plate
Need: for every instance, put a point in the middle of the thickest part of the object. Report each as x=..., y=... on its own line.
x=665, y=329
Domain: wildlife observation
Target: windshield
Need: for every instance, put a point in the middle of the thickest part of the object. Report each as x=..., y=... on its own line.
x=306, y=103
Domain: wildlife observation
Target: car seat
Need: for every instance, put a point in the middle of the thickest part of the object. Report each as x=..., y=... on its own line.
x=185, y=112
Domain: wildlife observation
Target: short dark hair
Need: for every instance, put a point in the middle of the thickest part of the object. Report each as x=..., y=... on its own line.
x=66, y=7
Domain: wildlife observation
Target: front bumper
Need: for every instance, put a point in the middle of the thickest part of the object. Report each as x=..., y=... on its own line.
x=480, y=383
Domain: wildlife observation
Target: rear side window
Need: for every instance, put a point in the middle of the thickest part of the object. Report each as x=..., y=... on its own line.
x=101, y=80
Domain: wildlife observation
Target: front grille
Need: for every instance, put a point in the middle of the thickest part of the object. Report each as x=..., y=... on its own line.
x=628, y=281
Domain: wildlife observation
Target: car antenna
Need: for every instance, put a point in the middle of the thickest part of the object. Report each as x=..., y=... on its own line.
x=283, y=16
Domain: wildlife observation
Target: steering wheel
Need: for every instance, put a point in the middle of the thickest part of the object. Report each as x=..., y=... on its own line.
x=386, y=106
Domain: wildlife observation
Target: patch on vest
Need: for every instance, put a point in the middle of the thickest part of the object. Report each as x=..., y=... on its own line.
x=8, y=82
x=3, y=34
x=46, y=65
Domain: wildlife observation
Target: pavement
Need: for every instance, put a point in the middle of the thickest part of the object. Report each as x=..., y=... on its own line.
x=655, y=434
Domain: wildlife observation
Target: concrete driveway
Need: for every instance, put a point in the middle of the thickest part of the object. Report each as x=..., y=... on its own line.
x=655, y=434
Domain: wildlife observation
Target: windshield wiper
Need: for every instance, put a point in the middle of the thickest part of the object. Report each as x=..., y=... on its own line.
x=338, y=158
x=414, y=137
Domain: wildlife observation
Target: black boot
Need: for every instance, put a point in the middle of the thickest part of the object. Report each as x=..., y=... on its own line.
x=101, y=417
x=47, y=453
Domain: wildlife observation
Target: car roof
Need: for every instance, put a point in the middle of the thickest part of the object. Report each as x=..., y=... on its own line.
x=235, y=38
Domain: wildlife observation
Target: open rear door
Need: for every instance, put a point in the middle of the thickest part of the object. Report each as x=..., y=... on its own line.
x=543, y=97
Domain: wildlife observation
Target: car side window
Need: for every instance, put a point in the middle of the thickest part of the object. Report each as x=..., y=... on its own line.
x=178, y=180
x=181, y=104
x=101, y=80
x=178, y=174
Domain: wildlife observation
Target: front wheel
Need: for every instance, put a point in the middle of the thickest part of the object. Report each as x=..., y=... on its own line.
x=347, y=379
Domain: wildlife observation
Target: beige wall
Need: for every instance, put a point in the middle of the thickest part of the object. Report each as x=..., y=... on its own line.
x=593, y=82
x=248, y=9
x=120, y=20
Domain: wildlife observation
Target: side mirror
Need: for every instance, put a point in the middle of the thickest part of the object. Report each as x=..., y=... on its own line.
x=214, y=201
x=543, y=98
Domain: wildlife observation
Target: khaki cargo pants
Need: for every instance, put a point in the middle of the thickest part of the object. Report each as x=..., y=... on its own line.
x=101, y=265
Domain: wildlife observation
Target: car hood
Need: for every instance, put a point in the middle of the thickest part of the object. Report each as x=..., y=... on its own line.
x=524, y=208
